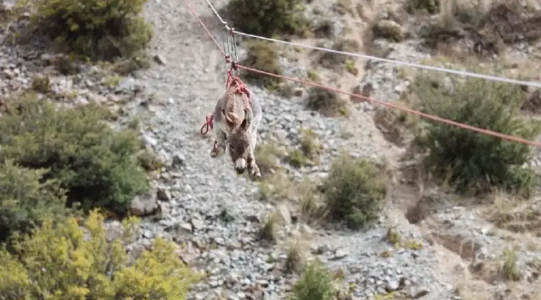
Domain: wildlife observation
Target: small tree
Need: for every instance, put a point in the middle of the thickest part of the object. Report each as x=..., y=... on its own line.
x=468, y=160
x=94, y=28
x=268, y=17
x=26, y=198
x=354, y=191
x=97, y=166
x=64, y=261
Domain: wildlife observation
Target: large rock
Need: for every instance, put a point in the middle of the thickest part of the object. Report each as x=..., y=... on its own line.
x=144, y=205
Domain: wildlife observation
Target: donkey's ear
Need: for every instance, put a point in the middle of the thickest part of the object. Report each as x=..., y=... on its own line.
x=229, y=118
x=247, y=119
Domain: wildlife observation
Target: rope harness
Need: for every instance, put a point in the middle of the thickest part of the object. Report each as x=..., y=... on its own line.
x=232, y=74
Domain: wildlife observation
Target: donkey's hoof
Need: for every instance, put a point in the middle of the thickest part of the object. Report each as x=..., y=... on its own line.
x=216, y=152
x=256, y=174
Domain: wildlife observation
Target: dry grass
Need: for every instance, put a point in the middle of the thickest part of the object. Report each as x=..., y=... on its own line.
x=280, y=188
x=509, y=268
x=310, y=145
x=510, y=213
x=309, y=150
x=269, y=229
x=268, y=158
x=277, y=187
x=396, y=125
x=296, y=256
x=312, y=207
x=394, y=238
x=488, y=24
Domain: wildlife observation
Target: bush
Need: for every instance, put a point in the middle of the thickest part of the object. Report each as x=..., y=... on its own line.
x=268, y=17
x=94, y=28
x=263, y=56
x=314, y=284
x=64, y=261
x=326, y=102
x=97, y=166
x=465, y=158
x=431, y=6
x=26, y=198
x=310, y=145
x=354, y=191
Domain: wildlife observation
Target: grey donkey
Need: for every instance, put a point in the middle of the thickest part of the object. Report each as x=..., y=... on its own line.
x=236, y=120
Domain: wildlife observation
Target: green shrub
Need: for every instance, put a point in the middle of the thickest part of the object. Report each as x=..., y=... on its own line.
x=263, y=56
x=314, y=284
x=94, y=28
x=326, y=102
x=41, y=84
x=26, y=198
x=97, y=166
x=308, y=152
x=431, y=6
x=64, y=261
x=469, y=160
x=268, y=17
x=310, y=145
x=354, y=191
x=297, y=159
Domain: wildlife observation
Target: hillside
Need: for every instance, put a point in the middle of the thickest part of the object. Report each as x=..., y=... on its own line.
x=417, y=234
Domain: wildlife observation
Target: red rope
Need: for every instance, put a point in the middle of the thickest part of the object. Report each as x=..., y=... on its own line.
x=209, y=124
x=387, y=104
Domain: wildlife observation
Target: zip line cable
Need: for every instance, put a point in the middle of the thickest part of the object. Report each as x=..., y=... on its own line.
x=386, y=104
x=375, y=58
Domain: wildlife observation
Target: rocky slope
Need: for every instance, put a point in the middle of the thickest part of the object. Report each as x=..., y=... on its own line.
x=455, y=253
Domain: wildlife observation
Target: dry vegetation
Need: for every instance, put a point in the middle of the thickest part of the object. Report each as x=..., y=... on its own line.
x=353, y=194
x=490, y=25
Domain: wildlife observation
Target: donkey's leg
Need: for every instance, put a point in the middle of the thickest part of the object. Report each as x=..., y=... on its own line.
x=252, y=166
x=219, y=143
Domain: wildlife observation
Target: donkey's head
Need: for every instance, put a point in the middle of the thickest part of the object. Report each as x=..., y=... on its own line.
x=239, y=143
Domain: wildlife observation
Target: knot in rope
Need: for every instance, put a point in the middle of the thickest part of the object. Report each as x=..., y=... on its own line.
x=236, y=82
x=209, y=124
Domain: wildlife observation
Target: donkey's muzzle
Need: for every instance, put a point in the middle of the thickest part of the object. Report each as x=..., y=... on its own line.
x=240, y=165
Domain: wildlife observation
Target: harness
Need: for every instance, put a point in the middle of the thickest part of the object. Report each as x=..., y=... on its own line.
x=232, y=75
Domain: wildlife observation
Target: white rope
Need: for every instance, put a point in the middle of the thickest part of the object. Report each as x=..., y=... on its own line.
x=396, y=62
x=216, y=12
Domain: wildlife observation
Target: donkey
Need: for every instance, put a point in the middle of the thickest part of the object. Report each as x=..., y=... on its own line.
x=237, y=118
